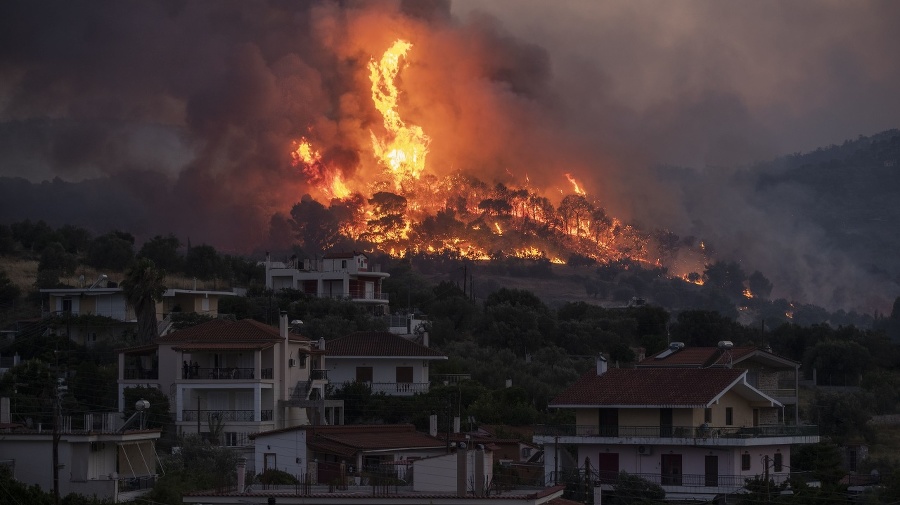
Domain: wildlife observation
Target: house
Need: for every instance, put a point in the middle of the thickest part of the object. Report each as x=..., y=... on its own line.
x=71, y=308
x=347, y=276
x=774, y=375
x=324, y=453
x=697, y=432
x=95, y=458
x=231, y=379
x=389, y=363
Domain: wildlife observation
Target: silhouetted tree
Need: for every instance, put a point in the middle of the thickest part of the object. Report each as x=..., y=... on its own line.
x=164, y=252
x=143, y=287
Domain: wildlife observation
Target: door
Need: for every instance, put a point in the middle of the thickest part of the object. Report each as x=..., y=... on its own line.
x=608, y=467
x=712, y=471
x=404, y=378
x=609, y=423
x=370, y=290
x=665, y=423
x=269, y=461
x=670, y=469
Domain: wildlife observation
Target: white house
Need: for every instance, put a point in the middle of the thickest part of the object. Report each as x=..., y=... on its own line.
x=698, y=432
x=389, y=363
x=323, y=453
x=96, y=458
x=337, y=275
x=244, y=375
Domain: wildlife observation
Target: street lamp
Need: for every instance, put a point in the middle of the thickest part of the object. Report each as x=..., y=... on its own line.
x=142, y=405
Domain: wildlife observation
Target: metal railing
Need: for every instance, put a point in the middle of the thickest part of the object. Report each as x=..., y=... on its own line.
x=219, y=373
x=224, y=415
x=699, y=480
x=140, y=374
x=126, y=484
x=587, y=430
x=398, y=387
x=318, y=374
x=266, y=373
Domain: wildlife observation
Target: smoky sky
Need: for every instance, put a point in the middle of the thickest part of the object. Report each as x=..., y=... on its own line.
x=179, y=116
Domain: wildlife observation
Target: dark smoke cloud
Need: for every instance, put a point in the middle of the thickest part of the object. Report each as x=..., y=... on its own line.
x=179, y=116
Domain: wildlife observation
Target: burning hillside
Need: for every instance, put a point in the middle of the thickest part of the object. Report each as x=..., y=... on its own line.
x=401, y=207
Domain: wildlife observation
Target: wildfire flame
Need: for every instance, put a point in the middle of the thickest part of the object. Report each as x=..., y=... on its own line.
x=404, y=148
x=575, y=187
x=403, y=210
x=747, y=293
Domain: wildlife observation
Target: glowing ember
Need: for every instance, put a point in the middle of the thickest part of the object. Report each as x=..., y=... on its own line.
x=404, y=148
x=747, y=293
x=499, y=230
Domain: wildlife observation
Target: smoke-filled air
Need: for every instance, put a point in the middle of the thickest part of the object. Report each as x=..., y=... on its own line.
x=616, y=131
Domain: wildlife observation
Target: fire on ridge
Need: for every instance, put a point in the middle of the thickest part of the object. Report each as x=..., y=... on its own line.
x=405, y=209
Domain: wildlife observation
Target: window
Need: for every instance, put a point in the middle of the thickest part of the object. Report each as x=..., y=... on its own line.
x=745, y=461
x=343, y=263
x=230, y=439
x=777, y=462
x=729, y=416
x=67, y=305
x=269, y=461
x=363, y=374
x=404, y=374
x=707, y=415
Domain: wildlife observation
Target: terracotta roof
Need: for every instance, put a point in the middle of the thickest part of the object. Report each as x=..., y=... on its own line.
x=378, y=343
x=708, y=356
x=676, y=387
x=223, y=330
x=211, y=346
x=346, y=441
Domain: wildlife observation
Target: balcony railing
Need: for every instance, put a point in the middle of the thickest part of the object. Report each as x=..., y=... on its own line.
x=395, y=388
x=224, y=415
x=318, y=374
x=732, y=482
x=140, y=374
x=586, y=430
x=127, y=484
x=352, y=295
x=220, y=373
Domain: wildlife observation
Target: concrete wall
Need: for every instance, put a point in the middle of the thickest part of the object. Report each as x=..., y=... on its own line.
x=287, y=448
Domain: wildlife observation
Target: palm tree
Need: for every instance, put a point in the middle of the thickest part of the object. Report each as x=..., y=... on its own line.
x=143, y=287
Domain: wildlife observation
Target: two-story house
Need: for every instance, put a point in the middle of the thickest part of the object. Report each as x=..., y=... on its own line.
x=105, y=298
x=232, y=378
x=774, y=375
x=388, y=363
x=95, y=456
x=337, y=275
x=697, y=432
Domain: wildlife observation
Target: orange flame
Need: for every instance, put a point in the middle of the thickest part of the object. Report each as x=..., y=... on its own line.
x=404, y=148
x=499, y=230
x=747, y=293
x=575, y=186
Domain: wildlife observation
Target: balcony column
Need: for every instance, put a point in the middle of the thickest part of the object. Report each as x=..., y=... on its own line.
x=179, y=403
x=257, y=364
x=347, y=286
x=320, y=287
x=257, y=403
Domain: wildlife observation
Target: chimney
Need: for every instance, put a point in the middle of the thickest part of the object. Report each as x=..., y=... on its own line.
x=425, y=339
x=241, y=474
x=432, y=425
x=602, y=365
x=321, y=343
x=283, y=324
x=455, y=424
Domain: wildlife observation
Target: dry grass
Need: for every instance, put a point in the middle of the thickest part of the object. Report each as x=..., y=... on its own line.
x=22, y=273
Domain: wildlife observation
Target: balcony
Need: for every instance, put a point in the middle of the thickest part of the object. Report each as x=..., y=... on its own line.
x=245, y=416
x=221, y=373
x=140, y=374
x=708, y=435
x=674, y=484
x=398, y=388
x=318, y=374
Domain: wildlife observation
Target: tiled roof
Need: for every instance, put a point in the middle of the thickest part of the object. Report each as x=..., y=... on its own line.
x=231, y=346
x=661, y=387
x=707, y=356
x=222, y=330
x=378, y=343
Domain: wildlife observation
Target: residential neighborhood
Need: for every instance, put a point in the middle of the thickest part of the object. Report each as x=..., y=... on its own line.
x=368, y=409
